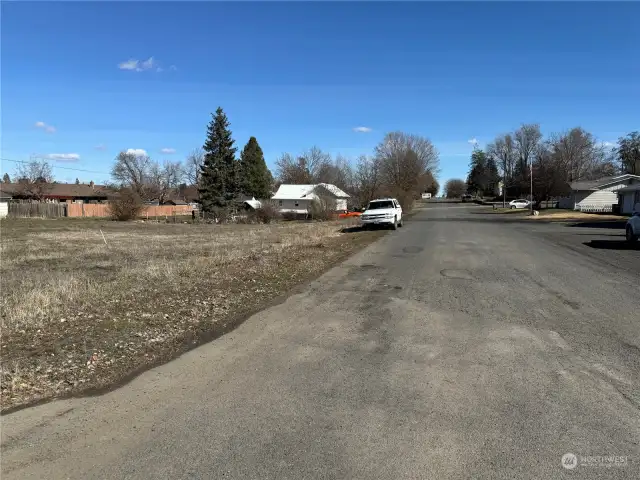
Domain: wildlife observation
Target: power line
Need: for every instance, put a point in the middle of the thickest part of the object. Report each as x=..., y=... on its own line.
x=56, y=166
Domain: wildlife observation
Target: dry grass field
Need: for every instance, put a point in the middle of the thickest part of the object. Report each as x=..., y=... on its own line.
x=80, y=314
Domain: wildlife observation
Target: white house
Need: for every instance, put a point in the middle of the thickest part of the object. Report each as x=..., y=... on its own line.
x=298, y=198
x=629, y=199
x=597, y=195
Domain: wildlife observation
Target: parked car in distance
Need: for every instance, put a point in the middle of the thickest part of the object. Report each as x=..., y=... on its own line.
x=466, y=197
x=632, y=228
x=520, y=203
x=382, y=211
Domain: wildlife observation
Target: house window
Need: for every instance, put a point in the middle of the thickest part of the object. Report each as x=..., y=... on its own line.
x=279, y=203
x=296, y=204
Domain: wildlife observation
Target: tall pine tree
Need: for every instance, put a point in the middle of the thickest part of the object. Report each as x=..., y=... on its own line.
x=255, y=177
x=218, y=176
x=477, y=179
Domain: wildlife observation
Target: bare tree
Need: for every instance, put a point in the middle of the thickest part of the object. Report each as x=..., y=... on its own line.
x=367, y=180
x=628, y=152
x=578, y=154
x=403, y=160
x=549, y=174
x=292, y=170
x=527, y=138
x=145, y=177
x=34, y=179
x=503, y=150
x=192, y=165
x=315, y=161
x=165, y=178
x=133, y=171
x=455, y=188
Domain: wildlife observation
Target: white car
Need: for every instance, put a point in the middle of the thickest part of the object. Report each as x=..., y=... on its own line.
x=633, y=225
x=383, y=211
x=520, y=203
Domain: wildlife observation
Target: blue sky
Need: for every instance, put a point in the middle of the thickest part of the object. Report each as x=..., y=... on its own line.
x=300, y=74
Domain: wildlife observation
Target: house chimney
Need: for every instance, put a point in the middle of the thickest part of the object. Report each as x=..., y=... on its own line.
x=91, y=184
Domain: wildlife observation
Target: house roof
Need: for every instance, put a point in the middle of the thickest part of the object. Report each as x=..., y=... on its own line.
x=302, y=192
x=601, y=182
x=62, y=190
x=334, y=190
x=630, y=188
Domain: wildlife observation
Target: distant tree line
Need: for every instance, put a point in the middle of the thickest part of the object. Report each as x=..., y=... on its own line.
x=555, y=162
x=402, y=166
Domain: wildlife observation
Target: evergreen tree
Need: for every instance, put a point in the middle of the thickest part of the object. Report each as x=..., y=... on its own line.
x=493, y=178
x=477, y=179
x=218, y=176
x=6, y=178
x=255, y=177
x=77, y=181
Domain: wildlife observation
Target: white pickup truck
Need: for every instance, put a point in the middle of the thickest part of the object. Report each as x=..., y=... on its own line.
x=383, y=211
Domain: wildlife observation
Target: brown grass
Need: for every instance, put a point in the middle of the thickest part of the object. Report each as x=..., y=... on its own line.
x=79, y=313
x=573, y=215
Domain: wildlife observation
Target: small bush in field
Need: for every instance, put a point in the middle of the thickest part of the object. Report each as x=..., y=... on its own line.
x=290, y=216
x=322, y=209
x=126, y=206
x=267, y=213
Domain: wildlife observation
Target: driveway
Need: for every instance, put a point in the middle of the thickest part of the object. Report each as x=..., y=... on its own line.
x=459, y=346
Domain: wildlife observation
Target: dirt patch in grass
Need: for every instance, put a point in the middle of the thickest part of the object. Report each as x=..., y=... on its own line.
x=79, y=315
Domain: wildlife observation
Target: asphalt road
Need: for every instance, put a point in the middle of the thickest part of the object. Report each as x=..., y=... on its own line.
x=460, y=346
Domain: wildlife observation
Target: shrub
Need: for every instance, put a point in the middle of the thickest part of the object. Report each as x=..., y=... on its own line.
x=290, y=216
x=406, y=200
x=322, y=209
x=127, y=205
x=267, y=213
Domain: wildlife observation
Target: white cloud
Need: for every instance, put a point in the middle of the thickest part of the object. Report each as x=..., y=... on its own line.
x=63, y=157
x=131, y=64
x=148, y=64
x=138, y=152
x=168, y=150
x=139, y=65
x=45, y=127
x=362, y=129
x=173, y=67
x=473, y=141
x=608, y=144
x=101, y=147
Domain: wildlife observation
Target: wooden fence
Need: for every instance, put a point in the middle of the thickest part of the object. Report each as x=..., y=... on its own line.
x=37, y=209
x=56, y=210
x=102, y=210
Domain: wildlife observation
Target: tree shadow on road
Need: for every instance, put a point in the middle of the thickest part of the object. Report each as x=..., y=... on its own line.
x=612, y=245
x=601, y=224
